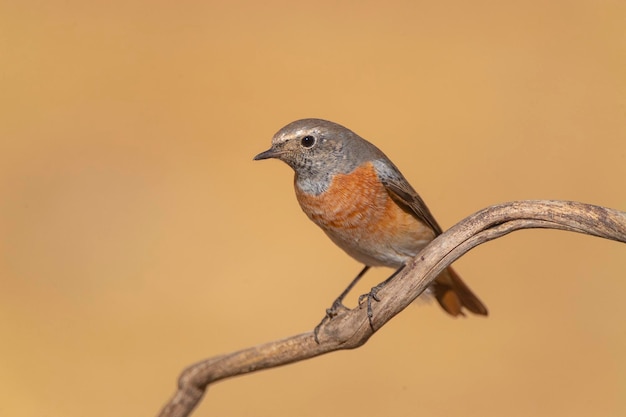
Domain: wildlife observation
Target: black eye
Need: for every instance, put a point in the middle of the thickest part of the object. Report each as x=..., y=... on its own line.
x=308, y=141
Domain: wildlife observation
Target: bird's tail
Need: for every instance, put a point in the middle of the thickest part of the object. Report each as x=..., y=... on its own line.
x=453, y=295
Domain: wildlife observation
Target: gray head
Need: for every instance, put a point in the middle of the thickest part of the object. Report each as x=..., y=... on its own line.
x=318, y=149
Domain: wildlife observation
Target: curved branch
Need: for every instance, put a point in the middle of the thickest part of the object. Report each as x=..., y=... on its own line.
x=351, y=328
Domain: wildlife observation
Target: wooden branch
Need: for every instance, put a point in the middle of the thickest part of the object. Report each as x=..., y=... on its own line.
x=351, y=328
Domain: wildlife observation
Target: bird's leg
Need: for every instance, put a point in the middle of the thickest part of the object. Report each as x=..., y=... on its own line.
x=338, y=303
x=373, y=295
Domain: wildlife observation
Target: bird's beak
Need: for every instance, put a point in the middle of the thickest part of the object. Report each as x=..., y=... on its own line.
x=270, y=153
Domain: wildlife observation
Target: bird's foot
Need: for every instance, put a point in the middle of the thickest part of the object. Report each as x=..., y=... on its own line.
x=372, y=295
x=331, y=313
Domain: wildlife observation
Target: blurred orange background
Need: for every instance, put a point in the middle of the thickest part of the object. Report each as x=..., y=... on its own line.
x=137, y=235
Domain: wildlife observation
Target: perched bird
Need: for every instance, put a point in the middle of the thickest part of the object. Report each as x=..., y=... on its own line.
x=357, y=196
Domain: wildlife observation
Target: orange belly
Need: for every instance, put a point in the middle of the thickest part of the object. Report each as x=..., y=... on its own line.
x=358, y=214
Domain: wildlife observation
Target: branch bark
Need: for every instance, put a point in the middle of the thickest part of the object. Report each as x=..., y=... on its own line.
x=351, y=329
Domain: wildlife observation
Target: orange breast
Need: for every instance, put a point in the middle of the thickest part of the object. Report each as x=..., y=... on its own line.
x=358, y=214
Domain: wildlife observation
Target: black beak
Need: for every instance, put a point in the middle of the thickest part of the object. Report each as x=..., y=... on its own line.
x=270, y=153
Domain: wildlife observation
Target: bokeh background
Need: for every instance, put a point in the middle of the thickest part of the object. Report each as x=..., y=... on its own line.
x=137, y=235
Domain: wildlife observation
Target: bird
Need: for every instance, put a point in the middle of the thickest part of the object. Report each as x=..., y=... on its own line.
x=360, y=199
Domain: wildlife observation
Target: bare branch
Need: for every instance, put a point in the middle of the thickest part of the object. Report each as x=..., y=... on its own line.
x=351, y=329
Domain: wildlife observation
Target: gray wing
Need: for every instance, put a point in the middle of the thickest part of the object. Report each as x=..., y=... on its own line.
x=402, y=193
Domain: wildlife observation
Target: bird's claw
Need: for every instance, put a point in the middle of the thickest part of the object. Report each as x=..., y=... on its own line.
x=372, y=295
x=331, y=313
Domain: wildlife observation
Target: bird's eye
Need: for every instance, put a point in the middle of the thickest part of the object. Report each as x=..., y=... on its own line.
x=308, y=141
